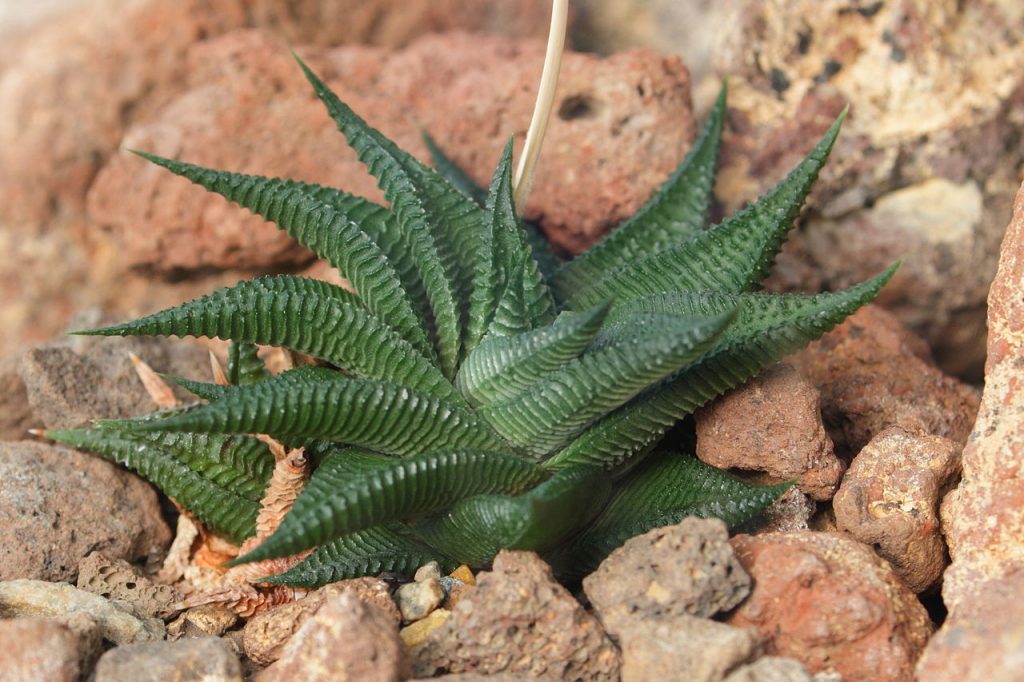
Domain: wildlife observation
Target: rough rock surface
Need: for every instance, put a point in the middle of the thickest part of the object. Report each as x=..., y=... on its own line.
x=792, y=511
x=118, y=580
x=70, y=88
x=206, y=659
x=771, y=669
x=266, y=634
x=116, y=623
x=684, y=648
x=15, y=412
x=347, y=639
x=829, y=602
x=926, y=167
x=470, y=92
x=519, y=620
x=984, y=517
x=39, y=650
x=873, y=373
x=982, y=640
x=57, y=505
x=890, y=499
x=773, y=424
x=208, y=620
x=74, y=381
x=417, y=599
x=685, y=569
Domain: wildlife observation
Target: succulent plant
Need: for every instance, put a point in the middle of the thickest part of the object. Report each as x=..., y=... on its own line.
x=471, y=393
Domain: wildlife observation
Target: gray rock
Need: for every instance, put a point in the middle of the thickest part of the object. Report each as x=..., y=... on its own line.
x=685, y=569
x=118, y=580
x=771, y=669
x=57, y=505
x=684, y=648
x=206, y=659
x=416, y=600
x=518, y=619
x=74, y=381
x=347, y=639
x=117, y=624
x=39, y=650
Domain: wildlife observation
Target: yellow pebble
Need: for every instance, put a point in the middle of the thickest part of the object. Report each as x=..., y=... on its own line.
x=464, y=574
x=416, y=634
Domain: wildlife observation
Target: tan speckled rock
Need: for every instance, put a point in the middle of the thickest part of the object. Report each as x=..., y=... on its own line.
x=39, y=650
x=872, y=373
x=346, y=640
x=829, y=602
x=266, y=634
x=926, y=167
x=982, y=639
x=119, y=580
x=519, y=619
x=36, y=598
x=890, y=499
x=984, y=517
x=685, y=569
x=773, y=424
x=204, y=659
x=57, y=505
x=470, y=92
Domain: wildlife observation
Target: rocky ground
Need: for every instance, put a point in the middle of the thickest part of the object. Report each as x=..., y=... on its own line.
x=897, y=556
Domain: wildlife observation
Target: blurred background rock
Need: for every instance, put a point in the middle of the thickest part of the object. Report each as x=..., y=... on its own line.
x=925, y=170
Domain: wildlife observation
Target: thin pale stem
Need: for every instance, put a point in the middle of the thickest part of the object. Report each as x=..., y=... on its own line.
x=545, y=102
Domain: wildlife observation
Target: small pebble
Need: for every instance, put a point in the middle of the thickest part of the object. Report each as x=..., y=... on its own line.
x=416, y=634
x=416, y=600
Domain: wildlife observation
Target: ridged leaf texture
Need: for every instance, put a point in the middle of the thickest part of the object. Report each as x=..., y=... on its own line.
x=220, y=478
x=666, y=489
x=470, y=392
x=337, y=501
x=676, y=213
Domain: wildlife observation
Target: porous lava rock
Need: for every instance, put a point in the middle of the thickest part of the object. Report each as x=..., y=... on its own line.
x=470, y=92
x=57, y=505
x=685, y=569
x=346, y=639
x=926, y=167
x=873, y=373
x=772, y=423
x=890, y=499
x=831, y=603
x=518, y=619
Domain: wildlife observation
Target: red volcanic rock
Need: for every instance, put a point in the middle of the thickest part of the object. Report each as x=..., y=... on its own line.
x=873, y=373
x=831, y=603
x=773, y=424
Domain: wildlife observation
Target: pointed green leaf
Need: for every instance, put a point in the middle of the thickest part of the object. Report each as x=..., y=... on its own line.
x=305, y=315
x=547, y=261
x=438, y=222
x=219, y=479
x=504, y=366
x=547, y=415
x=523, y=300
x=335, y=503
x=731, y=257
x=390, y=548
x=676, y=213
x=381, y=416
x=767, y=328
x=666, y=489
x=329, y=234
x=477, y=528
x=244, y=364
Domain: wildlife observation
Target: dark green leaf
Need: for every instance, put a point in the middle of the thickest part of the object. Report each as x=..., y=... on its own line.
x=244, y=364
x=675, y=214
x=335, y=502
